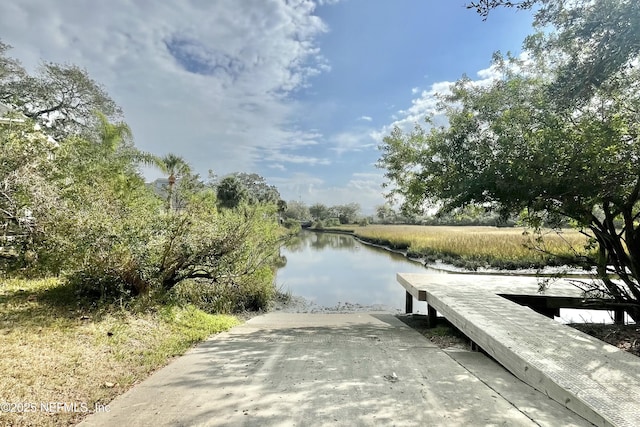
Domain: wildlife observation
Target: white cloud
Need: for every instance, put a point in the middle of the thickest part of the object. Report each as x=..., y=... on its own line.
x=292, y=158
x=207, y=80
x=362, y=188
x=352, y=141
x=365, y=118
x=426, y=105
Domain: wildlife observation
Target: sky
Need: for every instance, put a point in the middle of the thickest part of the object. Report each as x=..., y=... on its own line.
x=299, y=91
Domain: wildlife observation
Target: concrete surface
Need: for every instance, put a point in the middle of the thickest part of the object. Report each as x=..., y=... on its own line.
x=596, y=380
x=286, y=369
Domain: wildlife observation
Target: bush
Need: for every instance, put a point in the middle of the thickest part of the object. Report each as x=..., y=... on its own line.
x=291, y=224
x=332, y=222
x=251, y=293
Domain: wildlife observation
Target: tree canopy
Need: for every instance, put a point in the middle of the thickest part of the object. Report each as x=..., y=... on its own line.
x=61, y=98
x=79, y=208
x=593, y=39
x=258, y=190
x=526, y=143
x=231, y=192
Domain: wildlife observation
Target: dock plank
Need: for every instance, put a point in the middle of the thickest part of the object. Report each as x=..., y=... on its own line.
x=597, y=381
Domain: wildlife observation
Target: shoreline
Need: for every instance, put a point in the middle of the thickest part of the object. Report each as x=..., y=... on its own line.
x=450, y=268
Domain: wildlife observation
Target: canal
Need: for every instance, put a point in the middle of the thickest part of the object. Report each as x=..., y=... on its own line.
x=335, y=272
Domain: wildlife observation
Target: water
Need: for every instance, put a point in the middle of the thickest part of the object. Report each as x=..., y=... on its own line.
x=335, y=272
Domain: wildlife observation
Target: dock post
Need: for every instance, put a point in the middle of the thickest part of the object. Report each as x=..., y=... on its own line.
x=618, y=316
x=432, y=316
x=408, y=306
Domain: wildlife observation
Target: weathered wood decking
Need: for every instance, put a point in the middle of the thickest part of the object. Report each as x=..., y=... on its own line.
x=596, y=380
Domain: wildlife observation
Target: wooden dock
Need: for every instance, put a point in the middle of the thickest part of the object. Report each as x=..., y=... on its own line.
x=596, y=380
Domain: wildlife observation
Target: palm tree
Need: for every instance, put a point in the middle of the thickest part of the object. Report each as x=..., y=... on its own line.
x=175, y=166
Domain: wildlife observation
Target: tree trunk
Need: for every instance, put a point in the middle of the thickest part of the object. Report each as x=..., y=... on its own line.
x=611, y=253
x=172, y=181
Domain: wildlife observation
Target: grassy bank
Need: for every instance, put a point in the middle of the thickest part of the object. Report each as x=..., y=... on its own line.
x=55, y=352
x=473, y=247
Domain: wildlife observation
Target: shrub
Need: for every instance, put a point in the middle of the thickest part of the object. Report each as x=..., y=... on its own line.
x=292, y=224
x=250, y=293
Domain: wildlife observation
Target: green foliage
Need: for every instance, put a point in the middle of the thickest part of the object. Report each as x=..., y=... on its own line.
x=231, y=193
x=593, y=41
x=61, y=98
x=511, y=146
x=250, y=294
x=220, y=247
x=318, y=211
x=297, y=210
x=79, y=208
x=106, y=216
x=108, y=233
x=291, y=224
x=385, y=213
x=258, y=191
x=175, y=167
x=25, y=192
x=346, y=214
x=332, y=222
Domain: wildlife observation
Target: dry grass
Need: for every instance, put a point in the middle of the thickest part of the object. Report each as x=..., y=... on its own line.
x=475, y=246
x=52, y=351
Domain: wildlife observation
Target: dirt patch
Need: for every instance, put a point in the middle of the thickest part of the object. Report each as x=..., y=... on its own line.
x=625, y=337
x=444, y=335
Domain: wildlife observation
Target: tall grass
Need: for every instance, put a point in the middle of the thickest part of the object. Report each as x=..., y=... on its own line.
x=473, y=247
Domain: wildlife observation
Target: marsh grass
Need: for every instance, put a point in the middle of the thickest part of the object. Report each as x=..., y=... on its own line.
x=475, y=246
x=54, y=350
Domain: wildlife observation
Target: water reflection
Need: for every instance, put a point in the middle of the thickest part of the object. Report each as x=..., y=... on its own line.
x=307, y=240
x=334, y=270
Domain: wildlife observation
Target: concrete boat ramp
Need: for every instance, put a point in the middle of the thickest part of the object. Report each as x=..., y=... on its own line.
x=594, y=379
x=355, y=369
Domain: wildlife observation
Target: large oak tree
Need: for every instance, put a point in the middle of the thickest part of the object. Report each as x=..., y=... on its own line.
x=543, y=141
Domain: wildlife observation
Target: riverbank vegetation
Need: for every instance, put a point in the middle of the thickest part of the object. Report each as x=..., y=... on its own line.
x=77, y=207
x=476, y=246
x=104, y=277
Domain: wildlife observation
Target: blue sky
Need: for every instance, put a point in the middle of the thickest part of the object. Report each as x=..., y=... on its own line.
x=298, y=91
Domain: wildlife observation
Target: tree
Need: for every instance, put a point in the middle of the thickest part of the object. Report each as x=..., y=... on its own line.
x=61, y=98
x=297, y=210
x=26, y=192
x=595, y=39
x=10, y=70
x=176, y=167
x=282, y=207
x=231, y=192
x=318, y=211
x=258, y=190
x=347, y=214
x=105, y=211
x=510, y=147
x=385, y=213
x=217, y=246
x=483, y=7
